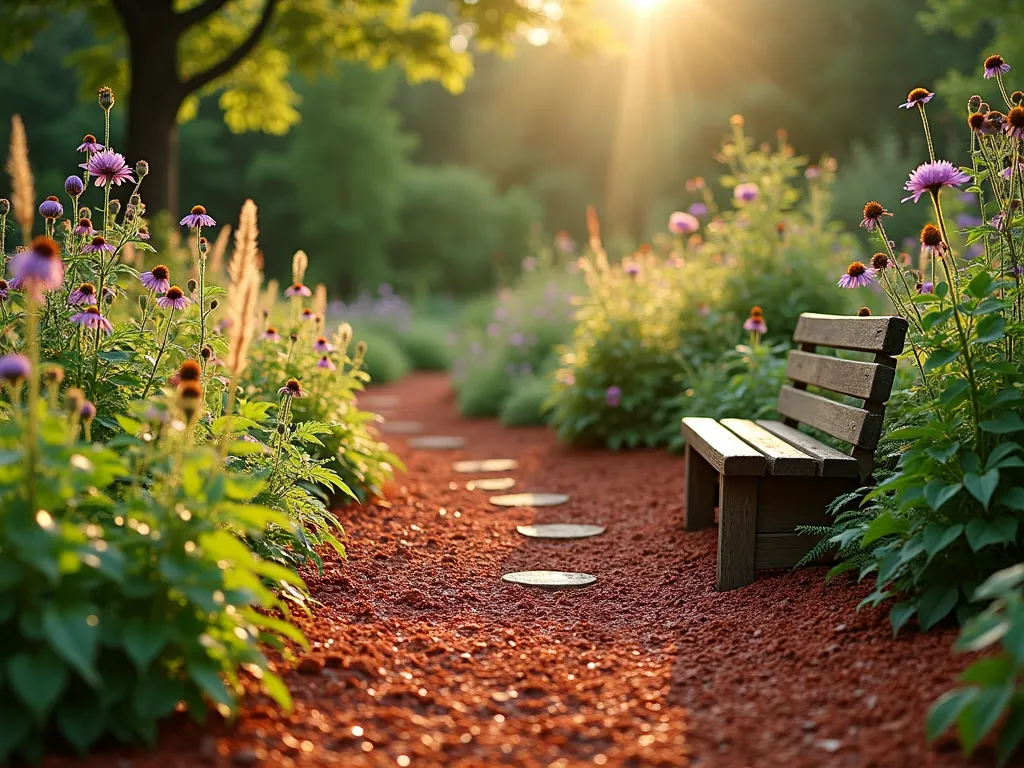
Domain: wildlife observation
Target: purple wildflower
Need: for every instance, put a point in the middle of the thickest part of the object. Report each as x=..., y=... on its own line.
x=322, y=346
x=1017, y=270
x=98, y=245
x=325, y=363
x=857, y=275
x=74, y=186
x=158, y=279
x=917, y=97
x=995, y=66
x=88, y=411
x=143, y=233
x=90, y=317
x=812, y=172
x=746, y=192
x=39, y=267
x=516, y=339
x=307, y=315
x=108, y=167
x=755, y=323
x=529, y=264
x=1014, y=126
x=966, y=220
x=83, y=295
x=90, y=145
x=83, y=228
x=682, y=223
x=613, y=396
x=3, y=290
x=632, y=268
x=297, y=289
x=15, y=368
x=51, y=208
x=931, y=241
x=925, y=288
x=198, y=217
x=932, y=177
x=873, y=213
x=698, y=209
x=292, y=388
x=174, y=298
x=271, y=334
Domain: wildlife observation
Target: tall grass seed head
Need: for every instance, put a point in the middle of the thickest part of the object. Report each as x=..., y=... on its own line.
x=106, y=98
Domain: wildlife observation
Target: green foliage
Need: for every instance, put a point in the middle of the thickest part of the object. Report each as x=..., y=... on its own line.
x=426, y=345
x=385, y=360
x=992, y=697
x=524, y=405
x=653, y=320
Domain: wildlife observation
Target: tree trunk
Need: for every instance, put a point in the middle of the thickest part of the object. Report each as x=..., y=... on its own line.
x=156, y=95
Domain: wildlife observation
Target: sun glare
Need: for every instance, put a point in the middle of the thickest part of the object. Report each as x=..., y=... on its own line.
x=646, y=6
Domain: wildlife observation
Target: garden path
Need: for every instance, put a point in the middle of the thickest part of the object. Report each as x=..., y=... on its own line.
x=422, y=656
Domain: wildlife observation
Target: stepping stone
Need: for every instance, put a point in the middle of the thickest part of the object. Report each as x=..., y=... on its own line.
x=487, y=465
x=491, y=484
x=380, y=401
x=560, y=531
x=529, y=499
x=401, y=427
x=550, y=579
x=437, y=442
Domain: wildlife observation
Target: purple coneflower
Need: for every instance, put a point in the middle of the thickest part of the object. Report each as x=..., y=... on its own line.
x=925, y=288
x=51, y=209
x=39, y=267
x=977, y=123
x=857, y=275
x=83, y=228
x=1007, y=172
x=307, y=315
x=322, y=346
x=698, y=209
x=933, y=176
x=682, y=223
x=325, y=363
x=83, y=295
x=292, y=388
x=88, y=411
x=613, y=396
x=74, y=186
x=917, y=97
x=158, y=279
x=198, y=218
x=995, y=66
x=174, y=298
x=108, y=167
x=297, y=289
x=143, y=233
x=98, y=245
x=15, y=368
x=1014, y=126
x=90, y=317
x=631, y=268
x=873, y=213
x=931, y=241
x=746, y=192
x=995, y=122
x=755, y=323
x=864, y=312
x=271, y=334
x=880, y=261
x=1017, y=270
x=90, y=145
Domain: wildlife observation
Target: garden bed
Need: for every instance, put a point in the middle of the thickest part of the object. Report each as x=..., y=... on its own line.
x=419, y=650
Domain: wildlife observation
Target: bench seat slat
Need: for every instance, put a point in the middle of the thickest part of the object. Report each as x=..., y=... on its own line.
x=831, y=463
x=721, y=448
x=863, y=334
x=782, y=458
x=854, y=425
x=868, y=381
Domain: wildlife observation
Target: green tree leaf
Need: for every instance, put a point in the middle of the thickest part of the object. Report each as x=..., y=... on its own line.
x=143, y=640
x=900, y=614
x=946, y=710
x=81, y=722
x=982, y=533
x=935, y=605
x=937, y=493
x=37, y=678
x=937, y=537
x=72, y=631
x=1004, y=424
x=981, y=714
x=982, y=487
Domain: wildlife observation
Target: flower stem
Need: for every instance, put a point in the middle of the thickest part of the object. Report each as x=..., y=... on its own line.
x=160, y=353
x=927, y=132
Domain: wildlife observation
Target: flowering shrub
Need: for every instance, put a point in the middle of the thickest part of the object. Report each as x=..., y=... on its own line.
x=651, y=321
x=158, y=472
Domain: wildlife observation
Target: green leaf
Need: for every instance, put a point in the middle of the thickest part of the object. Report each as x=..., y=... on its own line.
x=143, y=640
x=981, y=285
x=73, y=637
x=988, y=672
x=275, y=688
x=955, y=392
x=81, y=722
x=37, y=678
x=939, y=358
x=1004, y=424
x=1010, y=734
x=155, y=696
x=935, y=605
x=15, y=726
x=937, y=537
x=982, y=631
x=981, y=714
x=946, y=710
x=883, y=525
x=937, y=493
x=982, y=533
x=900, y=614
x=208, y=678
x=989, y=329
x=999, y=453
x=982, y=487
x=1000, y=582
x=942, y=455
x=1013, y=498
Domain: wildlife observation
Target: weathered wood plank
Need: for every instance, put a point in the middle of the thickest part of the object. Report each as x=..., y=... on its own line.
x=781, y=550
x=864, y=334
x=701, y=491
x=783, y=458
x=854, y=425
x=737, y=524
x=831, y=463
x=783, y=503
x=868, y=381
x=721, y=448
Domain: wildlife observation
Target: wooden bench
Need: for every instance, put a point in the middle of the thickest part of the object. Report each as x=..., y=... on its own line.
x=767, y=477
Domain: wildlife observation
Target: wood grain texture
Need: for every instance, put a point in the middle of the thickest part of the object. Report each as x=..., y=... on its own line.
x=854, y=425
x=863, y=334
x=781, y=550
x=831, y=463
x=737, y=531
x=782, y=458
x=721, y=448
x=783, y=503
x=868, y=381
x=701, y=491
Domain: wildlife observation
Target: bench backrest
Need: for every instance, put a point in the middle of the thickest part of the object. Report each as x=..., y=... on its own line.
x=870, y=382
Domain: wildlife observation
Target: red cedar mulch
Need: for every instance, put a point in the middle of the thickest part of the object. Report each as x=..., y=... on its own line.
x=419, y=650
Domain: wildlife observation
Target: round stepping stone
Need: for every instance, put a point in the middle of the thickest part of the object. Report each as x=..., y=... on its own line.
x=550, y=579
x=437, y=442
x=529, y=499
x=491, y=484
x=401, y=427
x=487, y=465
x=560, y=531
x=380, y=401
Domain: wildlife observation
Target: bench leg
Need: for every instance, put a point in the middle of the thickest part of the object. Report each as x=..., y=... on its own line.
x=737, y=531
x=701, y=488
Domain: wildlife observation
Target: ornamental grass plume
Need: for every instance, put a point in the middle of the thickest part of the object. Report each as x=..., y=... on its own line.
x=23, y=192
x=244, y=290
x=220, y=247
x=300, y=261
x=320, y=300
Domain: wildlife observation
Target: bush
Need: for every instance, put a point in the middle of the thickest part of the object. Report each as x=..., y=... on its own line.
x=426, y=345
x=524, y=405
x=385, y=361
